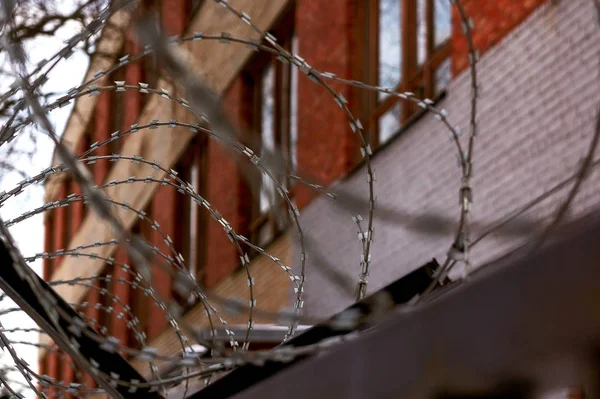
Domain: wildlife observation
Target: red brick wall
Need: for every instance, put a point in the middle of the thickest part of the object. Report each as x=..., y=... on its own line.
x=492, y=19
x=325, y=30
x=92, y=297
x=133, y=104
x=68, y=374
x=164, y=212
x=52, y=365
x=175, y=15
x=122, y=290
x=133, y=99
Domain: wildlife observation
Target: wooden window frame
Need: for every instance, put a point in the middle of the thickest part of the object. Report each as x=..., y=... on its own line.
x=195, y=155
x=282, y=107
x=415, y=78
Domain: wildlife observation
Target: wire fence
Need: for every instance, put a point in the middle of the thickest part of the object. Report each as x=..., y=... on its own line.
x=26, y=112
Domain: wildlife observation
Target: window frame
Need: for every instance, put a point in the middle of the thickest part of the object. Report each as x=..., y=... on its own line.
x=282, y=118
x=195, y=155
x=416, y=78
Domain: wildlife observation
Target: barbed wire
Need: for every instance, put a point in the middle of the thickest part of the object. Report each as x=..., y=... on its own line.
x=186, y=363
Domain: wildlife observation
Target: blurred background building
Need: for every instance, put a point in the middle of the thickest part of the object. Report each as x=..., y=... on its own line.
x=538, y=87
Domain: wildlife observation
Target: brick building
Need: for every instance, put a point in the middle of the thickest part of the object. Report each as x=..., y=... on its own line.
x=535, y=113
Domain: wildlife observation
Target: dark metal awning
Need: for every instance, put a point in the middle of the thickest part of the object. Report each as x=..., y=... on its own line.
x=260, y=333
x=522, y=324
x=400, y=291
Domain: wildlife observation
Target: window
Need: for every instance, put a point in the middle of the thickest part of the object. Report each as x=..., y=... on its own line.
x=191, y=243
x=408, y=50
x=274, y=119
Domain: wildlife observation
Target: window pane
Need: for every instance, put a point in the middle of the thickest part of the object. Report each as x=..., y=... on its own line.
x=442, y=76
x=443, y=21
x=193, y=212
x=265, y=235
x=267, y=108
x=390, y=47
x=421, y=32
x=267, y=134
x=294, y=109
x=389, y=123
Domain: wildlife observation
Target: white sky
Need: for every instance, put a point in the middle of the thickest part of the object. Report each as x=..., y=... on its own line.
x=29, y=234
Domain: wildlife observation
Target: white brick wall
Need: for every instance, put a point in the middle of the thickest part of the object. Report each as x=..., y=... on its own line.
x=536, y=116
